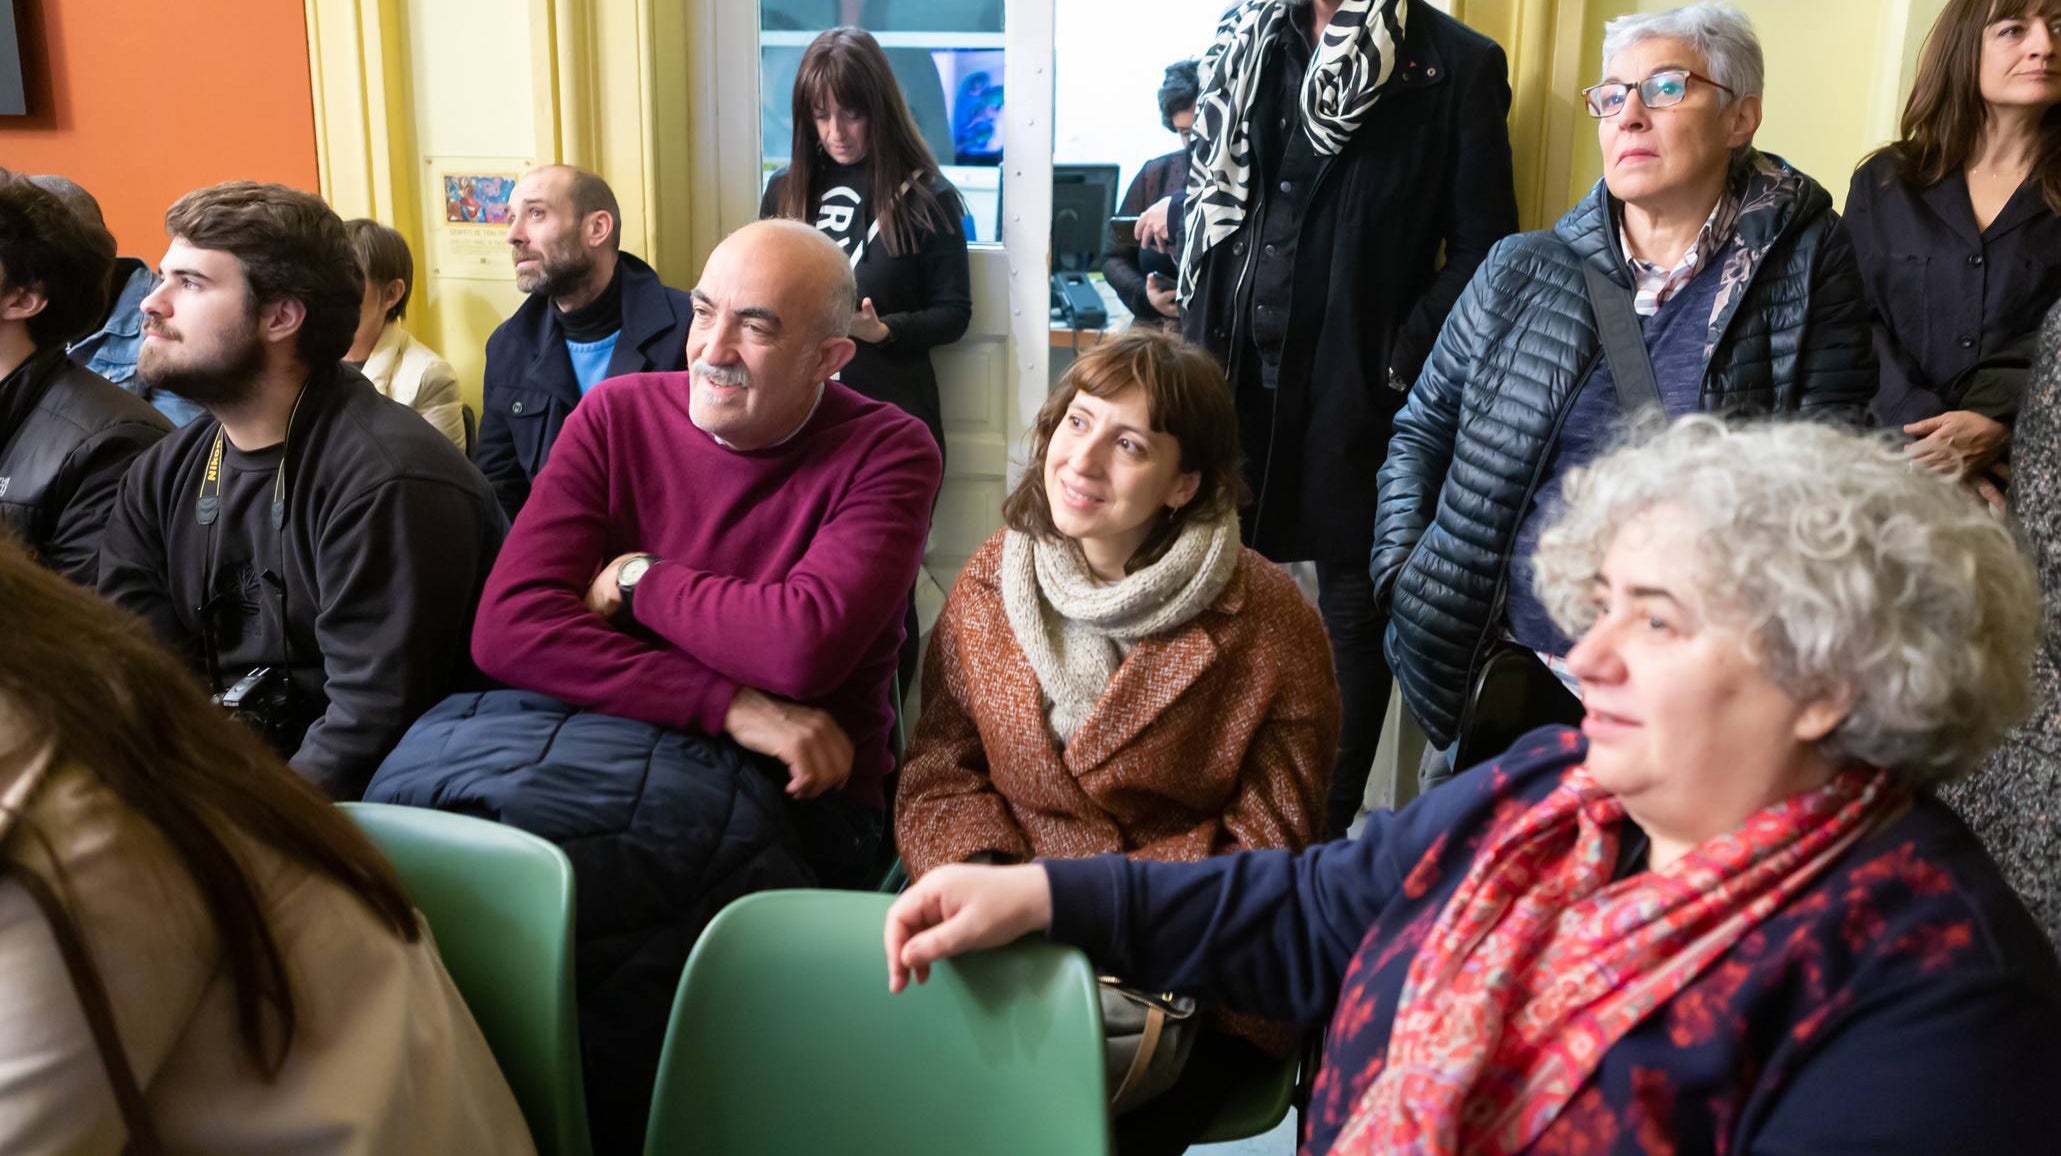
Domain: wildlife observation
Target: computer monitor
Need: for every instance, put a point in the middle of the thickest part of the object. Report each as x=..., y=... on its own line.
x=1083, y=198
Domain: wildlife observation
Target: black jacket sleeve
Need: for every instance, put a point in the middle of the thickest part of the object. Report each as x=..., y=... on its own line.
x=494, y=452
x=1120, y=268
x=947, y=285
x=1427, y=428
x=403, y=567
x=91, y=478
x=1837, y=363
x=133, y=571
x=1481, y=210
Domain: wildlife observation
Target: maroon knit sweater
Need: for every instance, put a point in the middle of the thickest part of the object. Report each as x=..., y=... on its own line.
x=784, y=569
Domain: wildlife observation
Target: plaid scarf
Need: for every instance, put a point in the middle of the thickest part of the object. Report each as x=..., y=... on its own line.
x=1354, y=60
x=1539, y=963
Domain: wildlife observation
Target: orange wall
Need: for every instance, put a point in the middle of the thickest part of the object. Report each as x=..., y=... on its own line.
x=140, y=102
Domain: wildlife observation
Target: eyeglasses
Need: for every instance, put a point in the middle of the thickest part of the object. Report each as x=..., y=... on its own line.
x=1660, y=90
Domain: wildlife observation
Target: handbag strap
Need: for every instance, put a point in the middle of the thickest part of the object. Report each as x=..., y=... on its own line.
x=143, y=1138
x=1148, y=1043
x=1624, y=342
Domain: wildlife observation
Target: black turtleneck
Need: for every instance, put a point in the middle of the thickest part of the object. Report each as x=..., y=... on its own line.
x=597, y=318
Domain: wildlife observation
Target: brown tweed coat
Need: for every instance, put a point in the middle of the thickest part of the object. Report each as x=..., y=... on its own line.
x=1216, y=737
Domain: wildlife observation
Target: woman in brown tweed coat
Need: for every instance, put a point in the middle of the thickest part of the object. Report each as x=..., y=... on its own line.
x=1114, y=673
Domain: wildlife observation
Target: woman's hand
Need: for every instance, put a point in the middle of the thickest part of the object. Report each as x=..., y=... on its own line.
x=1958, y=443
x=866, y=325
x=959, y=909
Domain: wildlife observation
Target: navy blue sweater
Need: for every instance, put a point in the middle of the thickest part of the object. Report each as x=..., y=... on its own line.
x=1904, y=1002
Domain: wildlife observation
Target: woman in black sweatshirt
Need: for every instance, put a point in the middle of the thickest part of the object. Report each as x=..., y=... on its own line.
x=861, y=173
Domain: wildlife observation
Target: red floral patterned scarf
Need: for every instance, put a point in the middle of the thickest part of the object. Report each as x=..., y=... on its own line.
x=1539, y=963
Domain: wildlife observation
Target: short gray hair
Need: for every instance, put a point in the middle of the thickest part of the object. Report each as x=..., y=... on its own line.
x=1846, y=569
x=1720, y=32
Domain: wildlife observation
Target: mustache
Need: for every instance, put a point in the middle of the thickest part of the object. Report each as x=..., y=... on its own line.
x=724, y=375
x=160, y=329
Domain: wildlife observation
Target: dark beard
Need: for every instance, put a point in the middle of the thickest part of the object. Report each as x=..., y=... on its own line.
x=559, y=274
x=229, y=380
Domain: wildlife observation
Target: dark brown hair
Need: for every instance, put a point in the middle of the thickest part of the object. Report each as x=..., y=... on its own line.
x=1187, y=400
x=1944, y=118
x=291, y=245
x=47, y=248
x=383, y=255
x=124, y=708
x=846, y=65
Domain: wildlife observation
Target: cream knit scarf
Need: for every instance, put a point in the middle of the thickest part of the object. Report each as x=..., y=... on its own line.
x=1075, y=629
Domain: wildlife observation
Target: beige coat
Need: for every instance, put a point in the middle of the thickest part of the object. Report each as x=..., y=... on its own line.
x=387, y=1059
x=411, y=373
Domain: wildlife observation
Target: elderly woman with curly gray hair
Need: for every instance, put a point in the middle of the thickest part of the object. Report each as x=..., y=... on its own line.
x=1727, y=914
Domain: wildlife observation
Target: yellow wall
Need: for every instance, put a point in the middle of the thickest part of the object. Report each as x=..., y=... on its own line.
x=1837, y=74
x=1834, y=81
x=399, y=83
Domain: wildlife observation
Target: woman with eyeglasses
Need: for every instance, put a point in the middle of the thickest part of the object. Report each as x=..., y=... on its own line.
x=1700, y=275
x=1958, y=229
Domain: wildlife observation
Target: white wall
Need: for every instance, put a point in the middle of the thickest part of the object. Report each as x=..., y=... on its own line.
x=1111, y=57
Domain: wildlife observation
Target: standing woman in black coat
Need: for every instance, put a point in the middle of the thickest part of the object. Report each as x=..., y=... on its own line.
x=1957, y=227
x=861, y=173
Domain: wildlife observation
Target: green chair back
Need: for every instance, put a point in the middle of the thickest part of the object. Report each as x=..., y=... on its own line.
x=500, y=903
x=784, y=1039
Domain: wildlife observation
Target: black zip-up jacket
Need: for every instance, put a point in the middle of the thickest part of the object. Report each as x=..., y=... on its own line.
x=1472, y=444
x=67, y=435
x=365, y=591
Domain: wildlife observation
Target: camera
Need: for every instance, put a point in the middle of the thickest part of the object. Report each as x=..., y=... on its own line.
x=263, y=700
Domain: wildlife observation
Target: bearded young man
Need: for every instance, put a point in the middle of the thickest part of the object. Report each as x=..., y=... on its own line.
x=314, y=549
x=594, y=312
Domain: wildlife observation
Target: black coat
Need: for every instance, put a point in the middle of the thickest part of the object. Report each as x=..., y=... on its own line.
x=1365, y=292
x=67, y=435
x=530, y=386
x=925, y=298
x=1946, y=296
x=1472, y=445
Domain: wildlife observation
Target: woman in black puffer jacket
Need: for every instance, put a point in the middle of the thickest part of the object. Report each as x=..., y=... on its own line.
x=1747, y=296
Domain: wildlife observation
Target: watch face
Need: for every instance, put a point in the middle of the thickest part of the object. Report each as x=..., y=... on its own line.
x=632, y=571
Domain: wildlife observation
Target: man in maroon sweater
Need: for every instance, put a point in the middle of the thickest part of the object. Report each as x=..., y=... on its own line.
x=727, y=550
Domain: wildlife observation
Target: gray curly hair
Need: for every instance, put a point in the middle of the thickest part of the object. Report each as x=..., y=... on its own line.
x=1846, y=570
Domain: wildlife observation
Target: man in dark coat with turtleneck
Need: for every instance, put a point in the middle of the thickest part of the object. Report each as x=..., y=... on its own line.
x=594, y=312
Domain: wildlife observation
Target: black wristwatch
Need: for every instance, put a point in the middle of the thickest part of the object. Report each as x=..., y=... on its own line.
x=626, y=580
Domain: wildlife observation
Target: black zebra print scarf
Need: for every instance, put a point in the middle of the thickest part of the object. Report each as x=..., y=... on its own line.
x=1354, y=60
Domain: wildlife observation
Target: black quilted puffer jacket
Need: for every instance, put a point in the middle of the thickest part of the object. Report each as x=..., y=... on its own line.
x=1472, y=444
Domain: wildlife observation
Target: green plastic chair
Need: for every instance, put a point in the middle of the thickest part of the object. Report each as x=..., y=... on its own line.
x=500, y=904
x=784, y=1040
